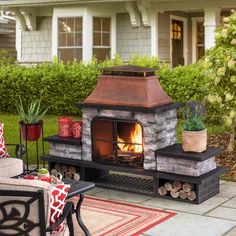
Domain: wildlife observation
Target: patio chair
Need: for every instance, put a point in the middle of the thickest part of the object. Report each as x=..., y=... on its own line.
x=24, y=208
x=13, y=166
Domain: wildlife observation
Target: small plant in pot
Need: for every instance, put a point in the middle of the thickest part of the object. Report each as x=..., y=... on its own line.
x=31, y=119
x=194, y=133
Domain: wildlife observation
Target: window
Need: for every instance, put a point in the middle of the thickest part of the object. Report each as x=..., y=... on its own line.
x=70, y=38
x=176, y=31
x=200, y=45
x=101, y=38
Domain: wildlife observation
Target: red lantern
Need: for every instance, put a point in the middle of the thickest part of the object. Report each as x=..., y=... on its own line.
x=65, y=126
x=77, y=129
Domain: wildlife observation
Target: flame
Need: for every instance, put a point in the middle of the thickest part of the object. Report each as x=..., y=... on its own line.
x=135, y=137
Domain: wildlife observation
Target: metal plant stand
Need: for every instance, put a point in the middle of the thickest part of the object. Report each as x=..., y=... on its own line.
x=27, y=170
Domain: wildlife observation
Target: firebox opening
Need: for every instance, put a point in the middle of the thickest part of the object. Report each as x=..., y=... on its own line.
x=117, y=141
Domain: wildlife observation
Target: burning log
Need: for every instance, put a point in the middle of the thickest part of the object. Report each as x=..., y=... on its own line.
x=187, y=187
x=177, y=185
x=191, y=195
x=168, y=186
x=162, y=191
x=174, y=193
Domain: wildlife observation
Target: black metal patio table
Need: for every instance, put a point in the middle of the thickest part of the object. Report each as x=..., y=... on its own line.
x=78, y=188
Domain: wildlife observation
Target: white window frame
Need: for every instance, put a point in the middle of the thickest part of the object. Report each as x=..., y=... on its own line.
x=87, y=38
x=104, y=14
x=63, y=13
x=185, y=37
x=195, y=20
x=106, y=47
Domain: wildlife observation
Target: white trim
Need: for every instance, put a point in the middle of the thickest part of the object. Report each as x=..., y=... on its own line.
x=154, y=34
x=195, y=20
x=112, y=32
x=18, y=43
x=185, y=38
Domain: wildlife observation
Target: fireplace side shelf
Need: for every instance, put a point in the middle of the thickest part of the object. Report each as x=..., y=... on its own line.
x=176, y=151
x=62, y=140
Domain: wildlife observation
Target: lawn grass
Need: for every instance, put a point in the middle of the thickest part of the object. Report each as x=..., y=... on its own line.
x=50, y=124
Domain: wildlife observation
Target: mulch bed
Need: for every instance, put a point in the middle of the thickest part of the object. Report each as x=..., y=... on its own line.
x=226, y=158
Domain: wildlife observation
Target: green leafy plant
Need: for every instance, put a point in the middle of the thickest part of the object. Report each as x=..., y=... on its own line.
x=194, y=112
x=43, y=171
x=34, y=112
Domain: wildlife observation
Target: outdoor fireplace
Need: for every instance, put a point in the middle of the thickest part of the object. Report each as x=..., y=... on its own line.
x=127, y=117
x=117, y=141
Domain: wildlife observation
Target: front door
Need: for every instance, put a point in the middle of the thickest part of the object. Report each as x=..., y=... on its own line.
x=177, y=32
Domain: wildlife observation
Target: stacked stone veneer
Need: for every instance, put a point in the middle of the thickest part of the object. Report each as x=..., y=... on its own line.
x=159, y=131
x=185, y=167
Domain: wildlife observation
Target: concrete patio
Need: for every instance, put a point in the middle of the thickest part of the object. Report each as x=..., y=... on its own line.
x=215, y=217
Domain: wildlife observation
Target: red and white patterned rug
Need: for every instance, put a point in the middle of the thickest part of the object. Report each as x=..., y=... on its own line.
x=113, y=218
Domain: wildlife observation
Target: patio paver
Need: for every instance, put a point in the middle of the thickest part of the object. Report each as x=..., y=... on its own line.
x=214, y=217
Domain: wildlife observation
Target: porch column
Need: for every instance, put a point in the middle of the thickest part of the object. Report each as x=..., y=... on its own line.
x=212, y=21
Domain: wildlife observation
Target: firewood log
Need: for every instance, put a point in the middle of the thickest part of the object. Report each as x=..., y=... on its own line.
x=162, y=191
x=72, y=169
x=64, y=168
x=168, y=186
x=174, y=193
x=58, y=166
x=76, y=176
x=68, y=175
x=177, y=185
x=182, y=194
x=187, y=187
x=191, y=195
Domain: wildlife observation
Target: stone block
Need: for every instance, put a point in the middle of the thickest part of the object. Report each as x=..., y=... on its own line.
x=149, y=165
x=65, y=151
x=115, y=113
x=185, y=167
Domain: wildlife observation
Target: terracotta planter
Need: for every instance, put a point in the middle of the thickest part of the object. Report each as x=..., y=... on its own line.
x=194, y=141
x=31, y=132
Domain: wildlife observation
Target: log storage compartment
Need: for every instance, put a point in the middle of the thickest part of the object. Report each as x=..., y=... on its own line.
x=189, y=189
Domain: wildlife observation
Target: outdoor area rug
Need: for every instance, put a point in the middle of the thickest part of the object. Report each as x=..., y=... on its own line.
x=113, y=218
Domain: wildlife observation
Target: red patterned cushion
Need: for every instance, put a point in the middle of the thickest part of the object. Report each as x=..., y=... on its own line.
x=57, y=203
x=3, y=150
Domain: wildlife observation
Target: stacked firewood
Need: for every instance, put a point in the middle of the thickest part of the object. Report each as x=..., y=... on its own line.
x=177, y=189
x=66, y=171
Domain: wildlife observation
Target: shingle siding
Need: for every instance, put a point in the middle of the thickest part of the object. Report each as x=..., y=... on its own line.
x=132, y=40
x=37, y=45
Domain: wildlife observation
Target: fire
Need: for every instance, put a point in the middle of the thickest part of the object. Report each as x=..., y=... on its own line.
x=135, y=137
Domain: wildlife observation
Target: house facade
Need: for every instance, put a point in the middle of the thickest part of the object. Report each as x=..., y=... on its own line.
x=177, y=31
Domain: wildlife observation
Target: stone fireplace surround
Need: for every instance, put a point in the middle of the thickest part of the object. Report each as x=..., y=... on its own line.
x=159, y=130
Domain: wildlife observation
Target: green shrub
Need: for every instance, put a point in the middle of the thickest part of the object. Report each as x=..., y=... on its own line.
x=5, y=58
x=61, y=86
x=184, y=83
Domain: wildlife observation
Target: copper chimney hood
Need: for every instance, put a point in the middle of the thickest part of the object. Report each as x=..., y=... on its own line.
x=128, y=86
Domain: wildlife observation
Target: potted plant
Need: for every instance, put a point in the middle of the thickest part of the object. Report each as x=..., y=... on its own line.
x=31, y=119
x=194, y=133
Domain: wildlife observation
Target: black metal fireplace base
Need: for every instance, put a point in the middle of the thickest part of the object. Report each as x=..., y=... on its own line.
x=126, y=183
